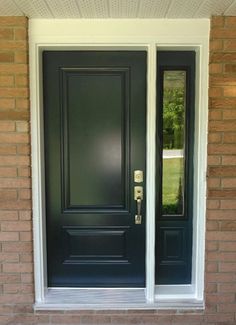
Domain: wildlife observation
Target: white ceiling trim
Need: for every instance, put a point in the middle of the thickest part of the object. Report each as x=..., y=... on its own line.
x=100, y=9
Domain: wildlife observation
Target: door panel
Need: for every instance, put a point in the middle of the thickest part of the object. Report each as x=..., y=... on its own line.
x=95, y=113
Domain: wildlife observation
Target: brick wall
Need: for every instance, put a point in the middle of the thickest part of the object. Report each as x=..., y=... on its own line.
x=221, y=214
x=16, y=287
x=16, y=280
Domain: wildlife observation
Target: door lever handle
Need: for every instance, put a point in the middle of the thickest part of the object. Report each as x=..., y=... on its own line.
x=138, y=196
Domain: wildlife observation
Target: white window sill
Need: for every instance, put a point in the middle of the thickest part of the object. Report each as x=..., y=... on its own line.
x=113, y=299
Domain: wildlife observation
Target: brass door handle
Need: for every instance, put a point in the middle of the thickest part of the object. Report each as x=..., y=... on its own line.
x=138, y=196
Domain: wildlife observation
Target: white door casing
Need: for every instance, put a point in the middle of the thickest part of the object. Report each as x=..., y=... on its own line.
x=149, y=35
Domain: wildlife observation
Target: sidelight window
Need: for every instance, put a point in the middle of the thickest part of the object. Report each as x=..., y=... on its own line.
x=174, y=184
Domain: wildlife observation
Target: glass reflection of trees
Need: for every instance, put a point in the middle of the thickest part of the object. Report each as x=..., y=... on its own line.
x=174, y=93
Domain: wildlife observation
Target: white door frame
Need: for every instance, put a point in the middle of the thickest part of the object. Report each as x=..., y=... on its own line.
x=149, y=35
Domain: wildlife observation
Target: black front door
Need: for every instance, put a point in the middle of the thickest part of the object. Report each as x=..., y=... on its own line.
x=94, y=129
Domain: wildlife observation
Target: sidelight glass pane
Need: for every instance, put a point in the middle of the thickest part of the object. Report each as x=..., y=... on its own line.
x=174, y=108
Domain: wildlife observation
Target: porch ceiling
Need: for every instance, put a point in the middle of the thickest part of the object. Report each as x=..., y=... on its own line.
x=117, y=8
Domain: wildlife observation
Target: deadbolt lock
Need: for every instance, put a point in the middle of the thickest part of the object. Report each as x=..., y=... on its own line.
x=138, y=176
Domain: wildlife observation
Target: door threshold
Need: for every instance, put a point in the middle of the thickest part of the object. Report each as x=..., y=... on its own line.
x=109, y=299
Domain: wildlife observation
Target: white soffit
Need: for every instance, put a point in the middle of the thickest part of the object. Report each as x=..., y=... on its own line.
x=117, y=8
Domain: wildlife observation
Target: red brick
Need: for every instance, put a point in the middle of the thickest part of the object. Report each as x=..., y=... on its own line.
x=14, y=183
x=230, y=21
x=228, y=246
x=230, y=45
x=228, y=204
x=230, y=68
x=24, y=172
x=6, y=81
x=18, y=299
x=213, y=204
x=216, y=45
x=213, y=92
x=21, y=57
x=7, y=126
x=221, y=256
x=13, y=45
x=214, y=137
x=23, y=149
x=22, y=126
x=220, y=277
x=221, y=215
x=215, y=115
x=228, y=267
x=229, y=115
x=22, y=103
x=222, y=80
x=222, y=171
x=26, y=277
x=9, y=236
x=17, y=288
x=220, y=318
x=26, y=236
x=14, y=137
x=13, y=21
x=6, y=57
x=227, y=288
x=217, y=21
x=220, y=298
x=6, y=104
x=211, y=288
x=228, y=226
x=213, y=182
x=16, y=226
x=224, y=308
x=230, y=160
x=19, y=247
x=211, y=267
x=24, y=194
x=8, y=195
x=214, y=160
x=212, y=246
x=14, y=115
x=222, y=126
x=229, y=91
x=224, y=193
x=10, y=278
x=26, y=258
x=21, y=81
x=6, y=33
x=25, y=215
x=8, y=215
x=215, y=68
x=229, y=137
x=221, y=235
x=15, y=205
x=71, y=319
x=8, y=172
x=228, y=182
x=18, y=267
x=14, y=92
x=212, y=225
x=222, y=103
x=20, y=33
x=14, y=160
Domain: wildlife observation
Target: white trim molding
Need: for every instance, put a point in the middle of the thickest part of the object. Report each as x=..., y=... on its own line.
x=151, y=36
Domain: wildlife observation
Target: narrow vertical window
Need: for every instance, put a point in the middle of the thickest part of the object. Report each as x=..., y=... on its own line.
x=174, y=166
x=173, y=156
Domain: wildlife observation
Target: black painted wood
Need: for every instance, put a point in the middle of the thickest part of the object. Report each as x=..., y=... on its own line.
x=174, y=232
x=94, y=126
